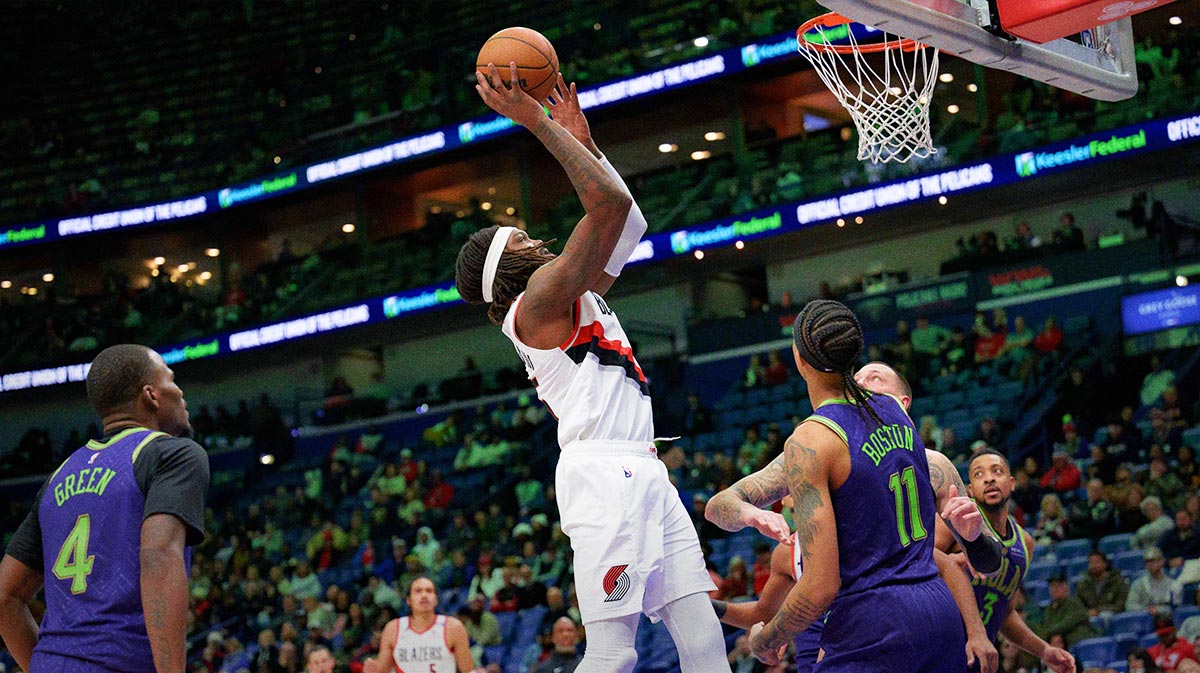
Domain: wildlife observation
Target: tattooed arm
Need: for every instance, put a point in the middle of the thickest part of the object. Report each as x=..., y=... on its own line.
x=741, y=505
x=747, y=614
x=164, y=584
x=554, y=287
x=808, y=457
x=943, y=475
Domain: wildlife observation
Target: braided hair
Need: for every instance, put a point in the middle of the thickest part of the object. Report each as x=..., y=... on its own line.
x=512, y=274
x=828, y=337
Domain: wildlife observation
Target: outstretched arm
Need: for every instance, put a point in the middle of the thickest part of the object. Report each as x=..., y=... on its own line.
x=806, y=470
x=978, y=646
x=555, y=286
x=741, y=505
x=567, y=111
x=747, y=614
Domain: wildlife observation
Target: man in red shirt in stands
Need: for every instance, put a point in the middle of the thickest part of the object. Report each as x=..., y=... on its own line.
x=1049, y=339
x=1171, y=652
x=1062, y=476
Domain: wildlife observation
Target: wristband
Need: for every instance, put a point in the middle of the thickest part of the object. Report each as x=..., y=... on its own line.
x=985, y=553
x=719, y=607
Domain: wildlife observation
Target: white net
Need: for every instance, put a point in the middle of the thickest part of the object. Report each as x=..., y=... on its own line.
x=887, y=93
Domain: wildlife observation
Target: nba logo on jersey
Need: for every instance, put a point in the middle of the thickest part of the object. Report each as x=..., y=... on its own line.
x=616, y=583
x=628, y=472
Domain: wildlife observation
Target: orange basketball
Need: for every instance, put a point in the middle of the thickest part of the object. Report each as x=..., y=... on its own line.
x=537, y=64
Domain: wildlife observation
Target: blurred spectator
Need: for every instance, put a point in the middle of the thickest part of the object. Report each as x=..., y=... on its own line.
x=1170, y=651
x=565, y=656
x=1156, y=381
x=1063, y=476
x=1094, y=517
x=756, y=373
x=741, y=659
x=1066, y=616
x=753, y=450
x=1049, y=339
x=1164, y=484
x=1068, y=236
x=1140, y=661
x=1157, y=524
x=777, y=371
x=696, y=418
x=1182, y=542
x=1052, y=524
x=1102, y=590
x=481, y=625
x=1153, y=590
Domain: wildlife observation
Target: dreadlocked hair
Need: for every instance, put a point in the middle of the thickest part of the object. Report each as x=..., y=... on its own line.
x=829, y=338
x=512, y=274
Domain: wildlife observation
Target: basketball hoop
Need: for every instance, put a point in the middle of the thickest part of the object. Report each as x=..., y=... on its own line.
x=888, y=101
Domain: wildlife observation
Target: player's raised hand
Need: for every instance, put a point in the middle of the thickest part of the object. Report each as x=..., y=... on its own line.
x=962, y=515
x=509, y=100
x=982, y=650
x=1059, y=660
x=565, y=109
x=770, y=524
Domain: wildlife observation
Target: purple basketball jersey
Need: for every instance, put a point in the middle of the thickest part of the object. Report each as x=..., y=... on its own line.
x=91, y=519
x=885, y=509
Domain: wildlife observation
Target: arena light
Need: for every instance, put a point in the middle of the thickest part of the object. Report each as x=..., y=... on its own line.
x=858, y=220
x=159, y=261
x=952, y=109
x=212, y=252
x=943, y=200
x=701, y=41
x=206, y=275
x=1181, y=281
x=48, y=278
x=182, y=268
x=510, y=211
x=699, y=254
x=491, y=191
x=700, y=155
x=32, y=291
x=841, y=222
x=486, y=205
x=713, y=136
x=972, y=87
x=278, y=159
x=946, y=77
x=667, y=148
x=436, y=210
x=5, y=284
x=1175, y=20
x=267, y=459
x=348, y=228
x=740, y=245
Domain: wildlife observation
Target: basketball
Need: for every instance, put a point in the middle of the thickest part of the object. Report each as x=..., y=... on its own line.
x=537, y=64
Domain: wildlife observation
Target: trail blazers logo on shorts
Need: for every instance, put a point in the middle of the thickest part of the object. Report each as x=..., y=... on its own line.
x=616, y=583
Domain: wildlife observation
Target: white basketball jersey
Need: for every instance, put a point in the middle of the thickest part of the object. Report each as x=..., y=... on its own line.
x=426, y=651
x=592, y=383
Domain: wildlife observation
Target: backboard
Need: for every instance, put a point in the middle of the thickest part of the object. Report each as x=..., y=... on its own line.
x=1100, y=65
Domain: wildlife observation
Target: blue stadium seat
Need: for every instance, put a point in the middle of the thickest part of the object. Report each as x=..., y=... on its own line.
x=956, y=416
x=1069, y=549
x=1125, y=643
x=508, y=624
x=1041, y=571
x=1184, y=612
x=1118, y=665
x=1095, y=650
x=1076, y=566
x=1011, y=391
x=1147, y=641
x=1135, y=622
x=494, y=654
x=1129, y=563
x=992, y=410
x=783, y=409
x=1111, y=544
x=1038, y=591
x=758, y=396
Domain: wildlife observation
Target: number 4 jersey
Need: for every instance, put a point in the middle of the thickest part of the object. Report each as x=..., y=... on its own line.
x=84, y=533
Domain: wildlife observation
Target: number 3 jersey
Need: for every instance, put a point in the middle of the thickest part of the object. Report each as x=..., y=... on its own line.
x=84, y=534
x=591, y=382
x=994, y=594
x=885, y=509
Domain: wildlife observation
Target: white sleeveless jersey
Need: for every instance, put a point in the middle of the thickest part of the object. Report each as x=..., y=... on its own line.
x=426, y=651
x=592, y=383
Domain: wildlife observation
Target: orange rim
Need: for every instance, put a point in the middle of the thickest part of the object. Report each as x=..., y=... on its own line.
x=833, y=19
